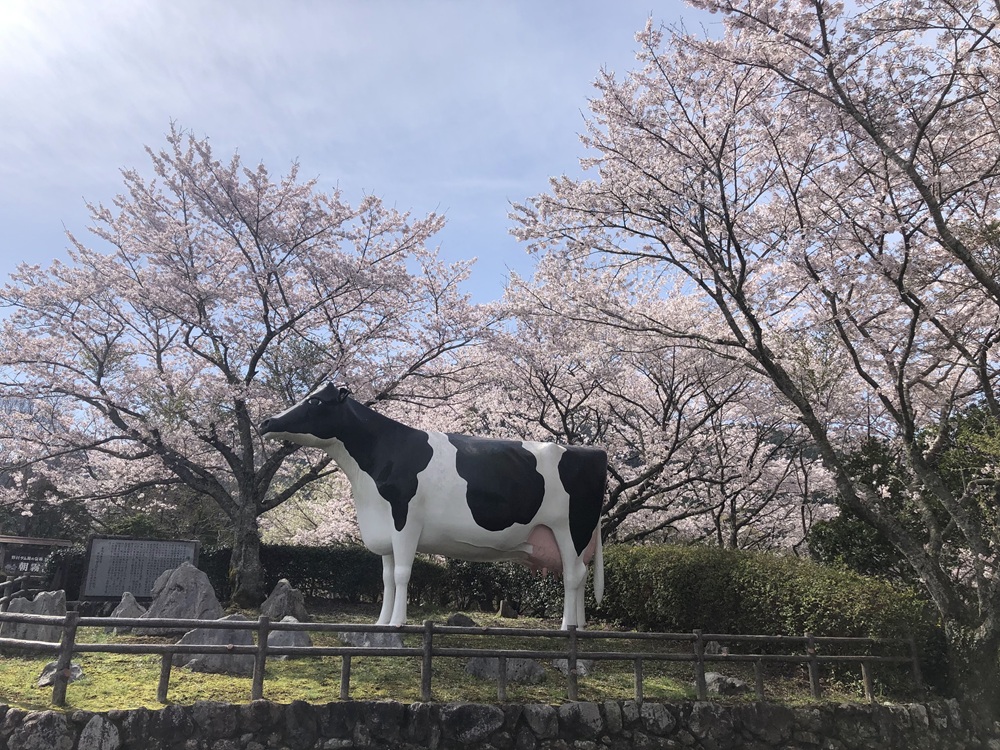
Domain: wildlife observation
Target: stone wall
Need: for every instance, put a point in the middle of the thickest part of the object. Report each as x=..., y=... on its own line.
x=263, y=725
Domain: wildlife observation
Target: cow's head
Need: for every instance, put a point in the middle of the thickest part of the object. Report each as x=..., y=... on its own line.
x=314, y=421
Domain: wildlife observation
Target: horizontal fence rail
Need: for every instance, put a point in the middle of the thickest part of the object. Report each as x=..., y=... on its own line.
x=573, y=650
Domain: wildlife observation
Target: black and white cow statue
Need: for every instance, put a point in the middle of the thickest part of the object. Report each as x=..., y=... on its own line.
x=466, y=497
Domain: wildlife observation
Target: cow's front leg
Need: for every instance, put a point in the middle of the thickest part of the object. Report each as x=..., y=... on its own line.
x=388, y=590
x=404, y=548
x=574, y=579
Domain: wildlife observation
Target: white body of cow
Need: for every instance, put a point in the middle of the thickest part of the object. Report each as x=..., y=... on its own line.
x=439, y=520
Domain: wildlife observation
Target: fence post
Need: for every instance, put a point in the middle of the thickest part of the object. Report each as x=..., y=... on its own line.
x=813, y=666
x=65, y=659
x=638, y=682
x=699, y=666
x=427, y=662
x=166, y=661
x=866, y=679
x=758, y=679
x=345, y=677
x=572, y=683
x=260, y=658
x=501, y=678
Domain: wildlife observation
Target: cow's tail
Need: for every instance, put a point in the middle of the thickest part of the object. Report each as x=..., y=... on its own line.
x=599, y=568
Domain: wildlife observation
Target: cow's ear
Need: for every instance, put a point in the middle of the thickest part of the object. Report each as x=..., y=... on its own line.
x=342, y=394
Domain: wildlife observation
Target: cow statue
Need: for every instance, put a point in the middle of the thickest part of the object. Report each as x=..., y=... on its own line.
x=459, y=496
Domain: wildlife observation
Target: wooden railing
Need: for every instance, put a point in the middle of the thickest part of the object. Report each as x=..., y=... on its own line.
x=573, y=649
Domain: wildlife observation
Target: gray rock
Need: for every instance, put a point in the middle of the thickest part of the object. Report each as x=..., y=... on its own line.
x=372, y=640
x=470, y=722
x=48, y=675
x=127, y=607
x=720, y=684
x=47, y=730
x=51, y=603
x=99, y=734
x=182, y=593
x=521, y=671
x=239, y=664
x=506, y=610
x=461, y=621
x=279, y=638
x=285, y=600
x=711, y=724
x=583, y=666
x=657, y=718
x=542, y=719
x=613, y=716
x=581, y=720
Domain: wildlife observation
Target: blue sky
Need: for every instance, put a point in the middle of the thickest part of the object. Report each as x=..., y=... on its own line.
x=456, y=106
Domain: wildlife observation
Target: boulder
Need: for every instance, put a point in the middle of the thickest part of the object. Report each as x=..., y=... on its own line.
x=279, y=638
x=182, y=593
x=238, y=664
x=720, y=684
x=506, y=610
x=584, y=667
x=51, y=603
x=127, y=607
x=48, y=675
x=99, y=734
x=285, y=600
x=460, y=620
x=372, y=640
x=44, y=730
x=522, y=671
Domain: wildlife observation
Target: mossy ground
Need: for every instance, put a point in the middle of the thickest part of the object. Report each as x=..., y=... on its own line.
x=118, y=681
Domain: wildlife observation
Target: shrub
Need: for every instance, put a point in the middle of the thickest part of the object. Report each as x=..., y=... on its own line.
x=680, y=589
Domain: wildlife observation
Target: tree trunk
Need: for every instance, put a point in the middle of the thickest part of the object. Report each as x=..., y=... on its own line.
x=973, y=657
x=246, y=574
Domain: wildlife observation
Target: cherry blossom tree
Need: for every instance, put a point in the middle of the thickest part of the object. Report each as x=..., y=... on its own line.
x=220, y=295
x=820, y=179
x=698, y=448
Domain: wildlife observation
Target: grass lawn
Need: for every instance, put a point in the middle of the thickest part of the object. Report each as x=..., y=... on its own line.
x=114, y=681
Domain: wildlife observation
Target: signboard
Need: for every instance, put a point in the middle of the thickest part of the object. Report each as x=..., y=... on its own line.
x=119, y=564
x=26, y=555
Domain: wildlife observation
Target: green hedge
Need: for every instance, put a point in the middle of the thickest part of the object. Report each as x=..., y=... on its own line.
x=663, y=588
x=679, y=589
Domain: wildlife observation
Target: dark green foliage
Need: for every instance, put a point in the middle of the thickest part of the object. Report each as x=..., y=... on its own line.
x=479, y=585
x=680, y=589
x=66, y=568
x=346, y=572
x=849, y=541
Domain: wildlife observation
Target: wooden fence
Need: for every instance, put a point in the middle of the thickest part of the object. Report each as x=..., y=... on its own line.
x=573, y=648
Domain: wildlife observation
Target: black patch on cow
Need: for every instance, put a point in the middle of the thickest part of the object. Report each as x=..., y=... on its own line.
x=584, y=474
x=390, y=453
x=504, y=484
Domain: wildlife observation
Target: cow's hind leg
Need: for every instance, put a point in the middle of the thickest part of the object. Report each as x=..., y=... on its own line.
x=388, y=590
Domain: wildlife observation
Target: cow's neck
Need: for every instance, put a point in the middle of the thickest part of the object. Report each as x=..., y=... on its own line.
x=366, y=439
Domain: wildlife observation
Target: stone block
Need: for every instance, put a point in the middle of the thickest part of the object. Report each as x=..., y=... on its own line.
x=580, y=720
x=542, y=719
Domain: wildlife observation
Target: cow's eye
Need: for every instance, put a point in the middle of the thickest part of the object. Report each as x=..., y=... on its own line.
x=314, y=402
